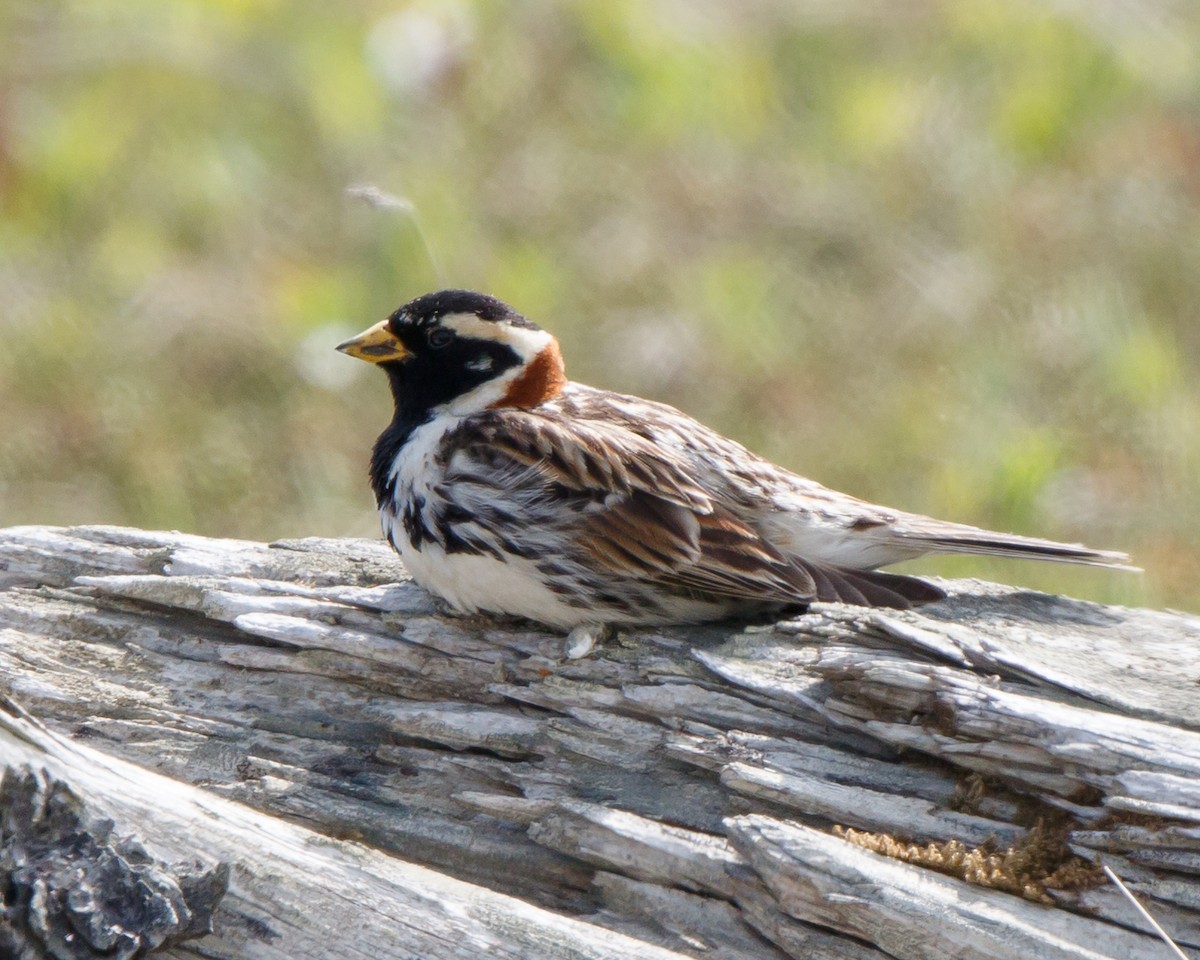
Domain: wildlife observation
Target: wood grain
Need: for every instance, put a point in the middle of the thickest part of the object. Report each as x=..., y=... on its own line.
x=383, y=778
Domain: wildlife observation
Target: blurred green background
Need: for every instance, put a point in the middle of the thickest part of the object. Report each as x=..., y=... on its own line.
x=943, y=255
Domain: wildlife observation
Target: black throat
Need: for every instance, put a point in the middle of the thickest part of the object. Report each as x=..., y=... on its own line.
x=419, y=387
x=387, y=447
x=414, y=403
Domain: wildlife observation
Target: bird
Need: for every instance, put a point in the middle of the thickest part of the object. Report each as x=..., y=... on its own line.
x=508, y=489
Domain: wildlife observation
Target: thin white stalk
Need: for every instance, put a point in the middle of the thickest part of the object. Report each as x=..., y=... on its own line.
x=1120, y=885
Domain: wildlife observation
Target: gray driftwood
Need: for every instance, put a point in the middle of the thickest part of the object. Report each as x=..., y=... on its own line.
x=371, y=778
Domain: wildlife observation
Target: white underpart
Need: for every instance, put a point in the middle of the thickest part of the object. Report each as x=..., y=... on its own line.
x=471, y=583
x=468, y=582
x=527, y=343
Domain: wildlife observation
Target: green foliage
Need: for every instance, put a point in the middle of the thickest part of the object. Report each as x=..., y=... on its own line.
x=939, y=255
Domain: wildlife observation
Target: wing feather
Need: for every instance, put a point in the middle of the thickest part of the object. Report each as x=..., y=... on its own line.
x=583, y=455
x=613, y=496
x=644, y=517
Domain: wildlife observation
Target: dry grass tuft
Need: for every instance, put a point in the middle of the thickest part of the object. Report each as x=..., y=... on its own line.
x=970, y=791
x=1040, y=862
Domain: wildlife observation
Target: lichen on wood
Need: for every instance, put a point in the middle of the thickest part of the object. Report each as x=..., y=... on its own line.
x=74, y=890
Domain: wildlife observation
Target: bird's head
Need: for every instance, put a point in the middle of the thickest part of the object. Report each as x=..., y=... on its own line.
x=463, y=353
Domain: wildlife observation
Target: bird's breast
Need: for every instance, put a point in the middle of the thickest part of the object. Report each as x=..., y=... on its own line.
x=410, y=513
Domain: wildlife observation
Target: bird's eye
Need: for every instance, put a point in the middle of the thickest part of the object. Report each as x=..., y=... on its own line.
x=440, y=337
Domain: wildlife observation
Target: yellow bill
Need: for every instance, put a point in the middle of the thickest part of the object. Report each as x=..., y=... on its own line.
x=376, y=344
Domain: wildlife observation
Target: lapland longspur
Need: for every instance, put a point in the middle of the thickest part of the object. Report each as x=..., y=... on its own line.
x=506, y=488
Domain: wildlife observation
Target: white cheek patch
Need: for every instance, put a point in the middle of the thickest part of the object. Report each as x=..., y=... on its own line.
x=480, y=364
x=483, y=396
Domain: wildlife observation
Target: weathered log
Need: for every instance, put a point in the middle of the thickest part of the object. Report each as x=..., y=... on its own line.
x=382, y=779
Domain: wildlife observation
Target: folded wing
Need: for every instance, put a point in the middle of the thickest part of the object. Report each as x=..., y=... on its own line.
x=631, y=508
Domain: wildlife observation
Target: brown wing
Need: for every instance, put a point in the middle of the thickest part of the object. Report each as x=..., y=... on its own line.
x=645, y=516
x=704, y=553
x=719, y=555
x=581, y=455
x=631, y=503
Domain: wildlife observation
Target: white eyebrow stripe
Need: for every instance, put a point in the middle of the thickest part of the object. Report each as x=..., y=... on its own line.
x=527, y=342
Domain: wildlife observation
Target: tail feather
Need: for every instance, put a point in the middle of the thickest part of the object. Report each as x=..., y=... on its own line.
x=848, y=575
x=987, y=543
